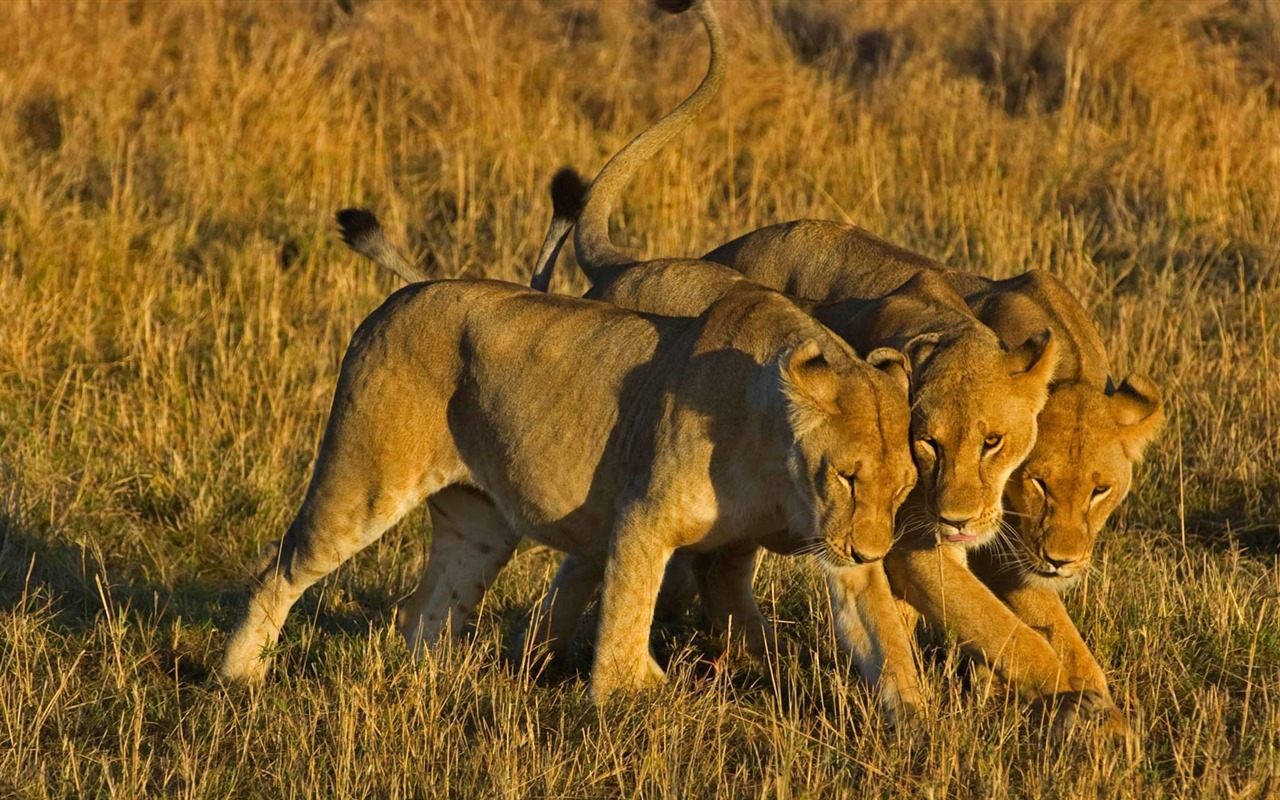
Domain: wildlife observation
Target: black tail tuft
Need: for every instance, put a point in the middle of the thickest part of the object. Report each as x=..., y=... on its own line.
x=356, y=224
x=674, y=6
x=568, y=193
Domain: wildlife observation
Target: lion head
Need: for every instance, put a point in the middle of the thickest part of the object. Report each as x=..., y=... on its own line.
x=974, y=410
x=1078, y=472
x=849, y=460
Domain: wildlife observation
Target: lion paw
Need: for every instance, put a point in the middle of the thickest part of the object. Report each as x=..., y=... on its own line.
x=768, y=646
x=1087, y=708
x=607, y=680
x=904, y=717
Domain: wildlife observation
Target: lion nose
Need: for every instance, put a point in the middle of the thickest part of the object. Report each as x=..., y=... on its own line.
x=957, y=523
x=1057, y=560
x=866, y=556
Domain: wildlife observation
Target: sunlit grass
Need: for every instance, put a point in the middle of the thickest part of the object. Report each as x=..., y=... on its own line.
x=174, y=304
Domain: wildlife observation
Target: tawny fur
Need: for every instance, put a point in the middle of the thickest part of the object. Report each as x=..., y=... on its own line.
x=857, y=275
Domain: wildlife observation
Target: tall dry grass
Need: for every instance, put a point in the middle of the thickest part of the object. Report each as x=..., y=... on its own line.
x=173, y=306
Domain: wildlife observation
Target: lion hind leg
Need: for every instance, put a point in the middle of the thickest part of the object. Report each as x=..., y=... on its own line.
x=679, y=587
x=318, y=541
x=357, y=492
x=470, y=544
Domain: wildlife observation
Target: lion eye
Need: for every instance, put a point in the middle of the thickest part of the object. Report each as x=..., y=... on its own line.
x=1100, y=492
x=992, y=442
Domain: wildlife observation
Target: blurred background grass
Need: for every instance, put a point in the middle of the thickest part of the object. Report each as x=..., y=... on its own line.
x=174, y=305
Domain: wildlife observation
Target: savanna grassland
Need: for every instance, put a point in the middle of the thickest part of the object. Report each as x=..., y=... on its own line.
x=174, y=304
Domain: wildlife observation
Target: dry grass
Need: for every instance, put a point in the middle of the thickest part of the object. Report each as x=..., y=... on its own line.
x=173, y=305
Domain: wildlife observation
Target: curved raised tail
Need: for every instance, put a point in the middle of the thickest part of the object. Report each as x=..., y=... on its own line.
x=568, y=193
x=595, y=249
x=362, y=232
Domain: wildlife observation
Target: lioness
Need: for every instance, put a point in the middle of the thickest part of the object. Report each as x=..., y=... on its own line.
x=866, y=619
x=1091, y=433
x=614, y=436
x=1080, y=469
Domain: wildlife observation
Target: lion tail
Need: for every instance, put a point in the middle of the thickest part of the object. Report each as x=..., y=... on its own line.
x=362, y=232
x=568, y=193
x=596, y=251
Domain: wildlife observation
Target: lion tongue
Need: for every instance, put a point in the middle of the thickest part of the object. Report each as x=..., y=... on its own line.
x=960, y=537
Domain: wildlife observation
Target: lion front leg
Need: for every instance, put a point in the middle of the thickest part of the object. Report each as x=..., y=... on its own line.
x=632, y=579
x=1043, y=610
x=871, y=628
x=938, y=582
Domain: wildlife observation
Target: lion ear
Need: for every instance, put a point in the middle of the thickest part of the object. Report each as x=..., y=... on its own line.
x=893, y=364
x=809, y=377
x=1139, y=412
x=1035, y=358
x=919, y=348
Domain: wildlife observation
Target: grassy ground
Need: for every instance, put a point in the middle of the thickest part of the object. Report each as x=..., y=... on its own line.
x=174, y=303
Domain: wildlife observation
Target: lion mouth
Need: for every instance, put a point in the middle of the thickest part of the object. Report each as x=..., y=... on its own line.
x=1056, y=574
x=968, y=536
x=837, y=559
